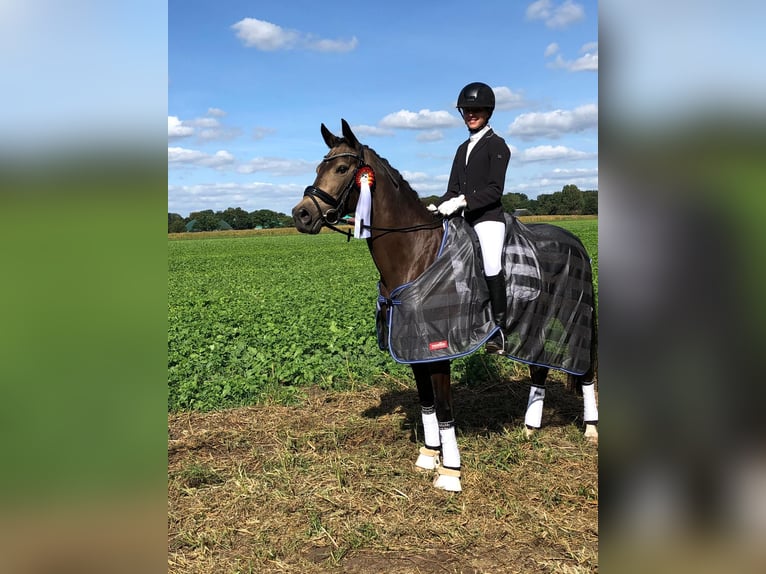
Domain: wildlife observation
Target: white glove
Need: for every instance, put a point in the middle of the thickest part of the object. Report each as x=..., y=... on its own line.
x=452, y=205
x=432, y=208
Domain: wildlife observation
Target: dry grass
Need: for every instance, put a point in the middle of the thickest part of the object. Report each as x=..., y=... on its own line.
x=330, y=486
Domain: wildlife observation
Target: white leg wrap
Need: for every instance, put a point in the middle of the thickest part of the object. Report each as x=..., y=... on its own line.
x=428, y=459
x=448, y=479
x=450, y=452
x=534, y=414
x=430, y=427
x=590, y=410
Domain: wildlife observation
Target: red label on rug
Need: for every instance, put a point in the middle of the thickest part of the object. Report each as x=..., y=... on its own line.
x=436, y=345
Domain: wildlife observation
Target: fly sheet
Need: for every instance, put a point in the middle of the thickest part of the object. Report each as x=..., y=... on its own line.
x=445, y=313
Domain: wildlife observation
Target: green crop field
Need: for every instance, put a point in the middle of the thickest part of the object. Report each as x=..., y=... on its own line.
x=259, y=318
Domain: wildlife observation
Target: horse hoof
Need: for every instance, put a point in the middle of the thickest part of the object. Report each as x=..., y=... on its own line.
x=448, y=479
x=591, y=434
x=428, y=459
x=529, y=432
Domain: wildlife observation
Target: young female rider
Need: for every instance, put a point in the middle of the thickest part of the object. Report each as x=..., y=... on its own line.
x=475, y=186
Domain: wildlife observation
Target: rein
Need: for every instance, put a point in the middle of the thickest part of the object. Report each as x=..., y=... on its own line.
x=331, y=217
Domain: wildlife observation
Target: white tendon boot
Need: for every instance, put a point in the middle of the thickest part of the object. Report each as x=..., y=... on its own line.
x=534, y=416
x=428, y=458
x=590, y=412
x=448, y=478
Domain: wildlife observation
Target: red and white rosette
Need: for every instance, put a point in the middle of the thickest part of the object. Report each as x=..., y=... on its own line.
x=365, y=181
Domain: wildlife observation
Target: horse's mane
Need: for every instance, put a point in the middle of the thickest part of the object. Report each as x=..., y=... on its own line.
x=397, y=177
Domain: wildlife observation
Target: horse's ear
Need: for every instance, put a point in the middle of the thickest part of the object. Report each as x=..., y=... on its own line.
x=329, y=138
x=349, y=135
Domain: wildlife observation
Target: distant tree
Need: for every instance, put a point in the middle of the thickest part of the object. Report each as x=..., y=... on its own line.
x=285, y=220
x=590, y=202
x=546, y=204
x=206, y=220
x=176, y=223
x=266, y=218
x=237, y=217
x=513, y=201
x=571, y=201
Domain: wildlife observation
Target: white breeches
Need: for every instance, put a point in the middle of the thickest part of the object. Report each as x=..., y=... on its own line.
x=491, y=238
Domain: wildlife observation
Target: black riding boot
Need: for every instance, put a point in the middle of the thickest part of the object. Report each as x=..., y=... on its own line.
x=497, y=299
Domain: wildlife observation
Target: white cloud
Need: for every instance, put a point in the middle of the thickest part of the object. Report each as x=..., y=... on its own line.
x=260, y=133
x=219, y=133
x=425, y=184
x=554, y=124
x=574, y=174
x=422, y=120
x=585, y=63
x=177, y=128
x=552, y=153
x=559, y=16
x=269, y=37
x=179, y=155
x=588, y=62
x=551, y=49
x=507, y=99
x=430, y=136
x=333, y=45
x=206, y=128
x=365, y=131
x=554, y=181
x=184, y=199
x=277, y=166
x=203, y=123
x=265, y=35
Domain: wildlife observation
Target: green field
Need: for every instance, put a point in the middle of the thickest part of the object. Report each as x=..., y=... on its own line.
x=258, y=318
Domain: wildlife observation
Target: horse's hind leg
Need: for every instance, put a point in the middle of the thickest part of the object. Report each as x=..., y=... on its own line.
x=534, y=415
x=590, y=410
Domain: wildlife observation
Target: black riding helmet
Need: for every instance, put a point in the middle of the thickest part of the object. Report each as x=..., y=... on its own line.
x=476, y=95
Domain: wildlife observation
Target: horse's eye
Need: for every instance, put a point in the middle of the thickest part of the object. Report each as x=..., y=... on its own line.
x=342, y=169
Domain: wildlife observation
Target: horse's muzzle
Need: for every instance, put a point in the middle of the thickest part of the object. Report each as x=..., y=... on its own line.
x=305, y=220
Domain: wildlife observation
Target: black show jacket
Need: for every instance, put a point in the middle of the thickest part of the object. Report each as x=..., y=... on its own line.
x=482, y=180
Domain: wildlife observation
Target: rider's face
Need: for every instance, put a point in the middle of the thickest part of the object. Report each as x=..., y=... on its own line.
x=475, y=118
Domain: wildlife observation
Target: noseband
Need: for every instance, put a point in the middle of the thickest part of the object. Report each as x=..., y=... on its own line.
x=337, y=205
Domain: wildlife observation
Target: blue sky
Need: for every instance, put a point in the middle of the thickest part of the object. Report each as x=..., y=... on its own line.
x=250, y=83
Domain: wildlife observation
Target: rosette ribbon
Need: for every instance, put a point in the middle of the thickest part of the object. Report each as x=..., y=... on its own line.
x=365, y=181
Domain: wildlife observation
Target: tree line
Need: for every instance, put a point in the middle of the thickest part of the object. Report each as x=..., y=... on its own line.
x=230, y=218
x=569, y=201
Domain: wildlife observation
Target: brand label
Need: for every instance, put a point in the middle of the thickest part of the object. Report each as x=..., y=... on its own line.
x=436, y=345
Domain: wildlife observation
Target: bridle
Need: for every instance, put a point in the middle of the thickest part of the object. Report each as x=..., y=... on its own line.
x=331, y=217
x=337, y=209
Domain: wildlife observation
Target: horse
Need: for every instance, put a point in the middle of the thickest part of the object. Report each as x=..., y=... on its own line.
x=404, y=238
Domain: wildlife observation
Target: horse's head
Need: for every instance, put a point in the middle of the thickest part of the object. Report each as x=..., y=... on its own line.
x=334, y=192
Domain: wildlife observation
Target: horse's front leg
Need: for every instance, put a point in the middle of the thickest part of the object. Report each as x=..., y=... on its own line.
x=435, y=393
x=428, y=457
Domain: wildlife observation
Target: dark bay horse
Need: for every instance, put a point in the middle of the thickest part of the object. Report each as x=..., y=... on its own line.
x=404, y=241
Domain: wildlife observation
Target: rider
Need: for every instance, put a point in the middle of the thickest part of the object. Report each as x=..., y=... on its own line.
x=475, y=186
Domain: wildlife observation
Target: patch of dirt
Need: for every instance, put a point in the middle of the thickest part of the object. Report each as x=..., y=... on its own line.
x=330, y=486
